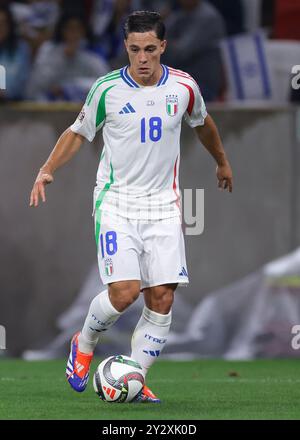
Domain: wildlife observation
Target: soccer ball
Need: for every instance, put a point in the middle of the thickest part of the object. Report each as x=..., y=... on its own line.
x=118, y=379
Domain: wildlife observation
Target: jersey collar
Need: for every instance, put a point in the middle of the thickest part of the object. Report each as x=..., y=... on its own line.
x=131, y=83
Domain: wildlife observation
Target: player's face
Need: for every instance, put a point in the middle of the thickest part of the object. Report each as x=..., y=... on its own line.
x=144, y=52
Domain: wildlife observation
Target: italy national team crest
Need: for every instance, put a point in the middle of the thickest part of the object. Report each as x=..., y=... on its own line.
x=108, y=266
x=172, y=104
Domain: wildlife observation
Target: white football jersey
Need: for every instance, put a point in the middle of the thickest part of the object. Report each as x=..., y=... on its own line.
x=139, y=166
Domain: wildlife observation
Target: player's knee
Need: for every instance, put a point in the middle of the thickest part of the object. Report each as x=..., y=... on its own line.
x=123, y=294
x=165, y=301
x=161, y=298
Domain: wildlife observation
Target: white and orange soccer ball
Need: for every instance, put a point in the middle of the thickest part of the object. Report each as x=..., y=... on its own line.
x=118, y=379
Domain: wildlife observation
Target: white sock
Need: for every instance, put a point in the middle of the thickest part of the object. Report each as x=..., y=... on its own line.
x=100, y=317
x=150, y=337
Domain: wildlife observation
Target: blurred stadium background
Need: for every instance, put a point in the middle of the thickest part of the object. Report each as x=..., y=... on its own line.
x=244, y=293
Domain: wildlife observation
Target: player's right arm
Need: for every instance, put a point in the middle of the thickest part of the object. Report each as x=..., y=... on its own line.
x=67, y=145
x=89, y=121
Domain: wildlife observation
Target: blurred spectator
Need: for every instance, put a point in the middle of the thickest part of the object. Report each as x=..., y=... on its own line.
x=267, y=14
x=233, y=13
x=79, y=7
x=36, y=20
x=14, y=56
x=287, y=20
x=164, y=8
x=193, y=34
x=259, y=14
x=107, y=23
x=65, y=69
x=252, y=14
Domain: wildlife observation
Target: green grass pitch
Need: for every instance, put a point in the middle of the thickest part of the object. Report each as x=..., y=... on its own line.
x=204, y=389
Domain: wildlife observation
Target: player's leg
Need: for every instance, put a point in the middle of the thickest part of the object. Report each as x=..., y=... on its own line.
x=163, y=267
x=105, y=309
x=151, y=333
x=119, y=269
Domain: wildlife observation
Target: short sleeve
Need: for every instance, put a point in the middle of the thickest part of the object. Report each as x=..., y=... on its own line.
x=86, y=123
x=196, y=110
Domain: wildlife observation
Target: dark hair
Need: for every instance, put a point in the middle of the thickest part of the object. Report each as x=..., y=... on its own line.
x=144, y=21
x=11, y=41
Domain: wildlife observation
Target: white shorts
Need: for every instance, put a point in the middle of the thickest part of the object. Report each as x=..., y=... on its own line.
x=153, y=253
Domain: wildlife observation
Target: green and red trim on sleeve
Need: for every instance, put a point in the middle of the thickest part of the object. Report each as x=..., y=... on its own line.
x=182, y=75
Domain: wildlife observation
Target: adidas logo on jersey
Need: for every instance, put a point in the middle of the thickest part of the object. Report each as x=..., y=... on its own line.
x=127, y=109
x=183, y=273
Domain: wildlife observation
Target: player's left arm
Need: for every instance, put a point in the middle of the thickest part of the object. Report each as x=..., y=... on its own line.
x=208, y=135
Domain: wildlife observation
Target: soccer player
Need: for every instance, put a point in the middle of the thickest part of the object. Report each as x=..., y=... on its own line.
x=138, y=230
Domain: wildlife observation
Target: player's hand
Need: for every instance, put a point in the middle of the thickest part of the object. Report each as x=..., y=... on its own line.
x=224, y=175
x=38, y=190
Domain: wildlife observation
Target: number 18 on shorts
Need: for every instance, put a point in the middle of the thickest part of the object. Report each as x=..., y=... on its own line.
x=153, y=253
